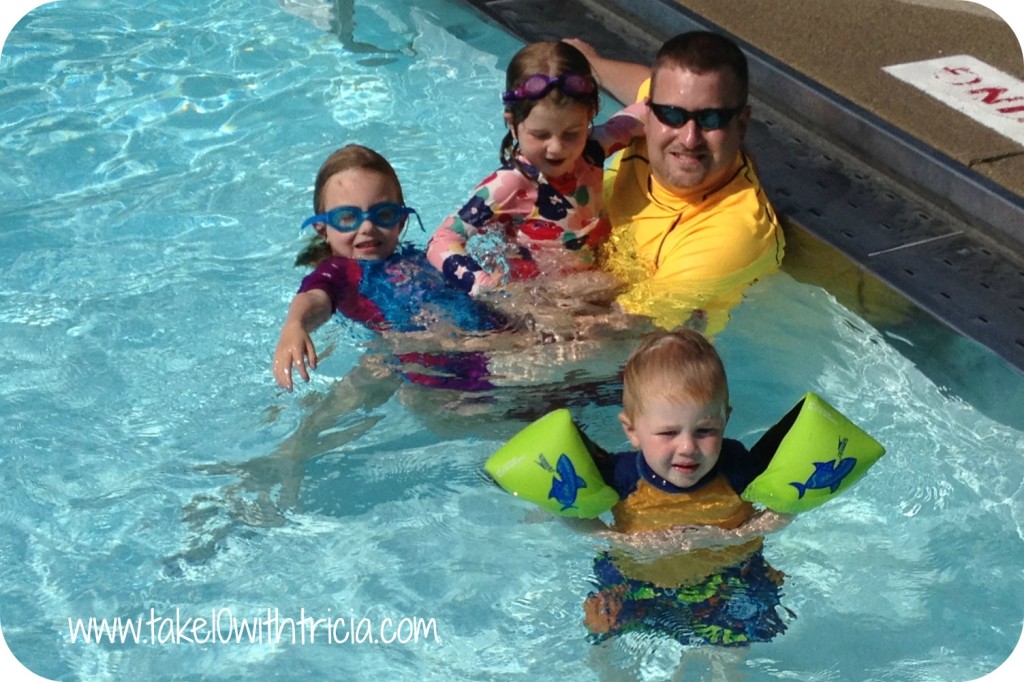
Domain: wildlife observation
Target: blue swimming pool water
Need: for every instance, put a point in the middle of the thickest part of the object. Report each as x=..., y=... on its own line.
x=158, y=160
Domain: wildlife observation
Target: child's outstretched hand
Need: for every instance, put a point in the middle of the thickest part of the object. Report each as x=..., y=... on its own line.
x=308, y=310
x=294, y=349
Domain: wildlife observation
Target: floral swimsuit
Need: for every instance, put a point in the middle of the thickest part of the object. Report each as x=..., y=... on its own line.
x=525, y=224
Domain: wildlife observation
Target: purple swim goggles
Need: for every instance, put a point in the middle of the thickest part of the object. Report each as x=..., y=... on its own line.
x=539, y=84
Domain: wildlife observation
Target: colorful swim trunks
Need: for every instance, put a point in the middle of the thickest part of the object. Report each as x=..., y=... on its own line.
x=736, y=607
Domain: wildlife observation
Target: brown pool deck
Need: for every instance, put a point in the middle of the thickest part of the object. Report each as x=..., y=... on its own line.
x=917, y=194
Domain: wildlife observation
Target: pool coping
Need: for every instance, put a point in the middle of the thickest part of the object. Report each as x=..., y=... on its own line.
x=935, y=230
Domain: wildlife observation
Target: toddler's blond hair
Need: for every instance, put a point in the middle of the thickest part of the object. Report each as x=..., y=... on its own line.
x=678, y=365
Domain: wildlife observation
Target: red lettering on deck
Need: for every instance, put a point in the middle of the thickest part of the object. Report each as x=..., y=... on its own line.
x=959, y=71
x=963, y=76
x=992, y=95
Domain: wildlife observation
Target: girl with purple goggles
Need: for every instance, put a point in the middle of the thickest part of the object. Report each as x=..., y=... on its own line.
x=539, y=213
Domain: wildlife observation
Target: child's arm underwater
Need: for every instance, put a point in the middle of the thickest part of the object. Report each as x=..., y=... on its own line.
x=685, y=538
x=308, y=310
x=761, y=523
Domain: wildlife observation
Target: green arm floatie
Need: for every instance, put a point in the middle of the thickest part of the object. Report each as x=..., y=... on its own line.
x=816, y=453
x=548, y=463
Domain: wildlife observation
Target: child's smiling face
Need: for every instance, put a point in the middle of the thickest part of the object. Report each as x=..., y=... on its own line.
x=552, y=137
x=680, y=440
x=361, y=188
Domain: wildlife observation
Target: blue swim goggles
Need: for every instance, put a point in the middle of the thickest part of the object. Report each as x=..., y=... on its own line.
x=707, y=119
x=386, y=215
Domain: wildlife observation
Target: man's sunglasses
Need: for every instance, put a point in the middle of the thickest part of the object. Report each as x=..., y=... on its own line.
x=539, y=84
x=707, y=119
x=385, y=215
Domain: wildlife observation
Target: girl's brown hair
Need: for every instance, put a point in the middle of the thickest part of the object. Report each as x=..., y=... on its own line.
x=551, y=58
x=349, y=157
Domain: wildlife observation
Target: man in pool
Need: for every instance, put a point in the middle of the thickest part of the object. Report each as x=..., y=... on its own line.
x=691, y=223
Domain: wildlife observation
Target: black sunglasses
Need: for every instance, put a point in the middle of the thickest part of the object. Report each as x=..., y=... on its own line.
x=707, y=119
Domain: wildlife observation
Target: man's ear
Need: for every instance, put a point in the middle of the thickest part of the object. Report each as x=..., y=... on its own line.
x=744, y=122
x=627, y=426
